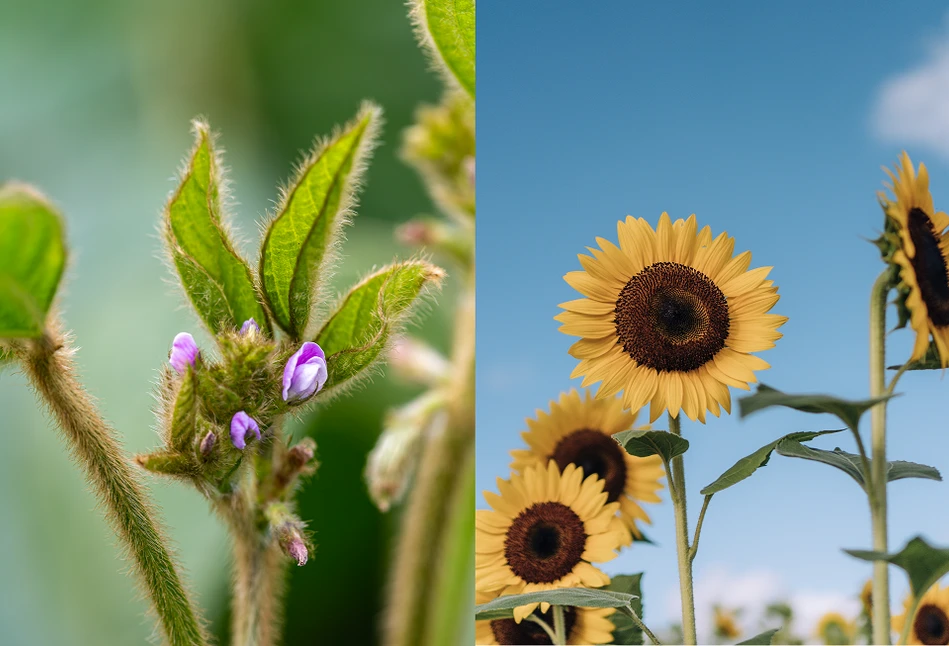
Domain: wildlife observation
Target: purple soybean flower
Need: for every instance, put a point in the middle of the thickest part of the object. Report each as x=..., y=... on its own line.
x=304, y=374
x=184, y=352
x=241, y=424
x=249, y=324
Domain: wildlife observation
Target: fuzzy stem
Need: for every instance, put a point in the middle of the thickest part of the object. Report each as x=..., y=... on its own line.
x=682, y=541
x=259, y=568
x=415, y=582
x=547, y=629
x=878, y=480
x=560, y=625
x=642, y=626
x=694, y=548
x=49, y=366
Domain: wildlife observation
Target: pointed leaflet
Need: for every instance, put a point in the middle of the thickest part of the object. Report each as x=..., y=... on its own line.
x=762, y=639
x=751, y=463
x=32, y=258
x=217, y=281
x=447, y=28
x=847, y=410
x=300, y=238
x=852, y=465
x=923, y=563
x=362, y=325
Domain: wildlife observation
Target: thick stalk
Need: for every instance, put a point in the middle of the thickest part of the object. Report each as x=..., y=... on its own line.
x=414, y=585
x=560, y=625
x=48, y=364
x=258, y=590
x=682, y=541
x=881, y=586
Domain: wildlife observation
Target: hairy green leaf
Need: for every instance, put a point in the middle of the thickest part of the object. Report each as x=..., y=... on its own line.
x=751, y=463
x=216, y=279
x=356, y=334
x=309, y=218
x=503, y=607
x=447, y=28
x=168, y=463
x=645, y=443
x=929, y=361
x=625, y=631
x=32, y=259
x=764, y=639
x=923, y=563
x=847, y=410
x=852, y=465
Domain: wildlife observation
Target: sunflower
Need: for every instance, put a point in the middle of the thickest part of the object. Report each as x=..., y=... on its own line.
x=584, y=626
x=866, y=597
x=921, y=256
x=725, y=623
x=670, y=318
x=578, y=431
x=931, y=621
x=544, y=532
x=834, y=628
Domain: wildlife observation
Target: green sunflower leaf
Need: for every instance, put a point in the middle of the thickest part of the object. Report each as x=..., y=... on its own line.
x=849, y=411
x=852, y=465
x=923, y=563
x=751, y=463
x=503, y=607
x=762, y=639
x=625, y=631
x=300, y=239
x=32, y=259
x=355, y=335
x=215, y=278
x=645, y=443
x=447, y=28
x=929, y=361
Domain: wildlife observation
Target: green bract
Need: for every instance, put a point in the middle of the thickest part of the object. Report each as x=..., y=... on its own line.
x=314, y=208
x=32, y=258
x=216, y=279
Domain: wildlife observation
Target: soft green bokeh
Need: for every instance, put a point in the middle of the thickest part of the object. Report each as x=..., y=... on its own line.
x=95, y=108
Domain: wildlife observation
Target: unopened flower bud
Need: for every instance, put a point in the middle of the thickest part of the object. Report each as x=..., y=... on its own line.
x=250, y=325
x=304, y=374
x=241, y=425
x=207, y=444
x=296, y=549
x=184, y=352
x=418, y=362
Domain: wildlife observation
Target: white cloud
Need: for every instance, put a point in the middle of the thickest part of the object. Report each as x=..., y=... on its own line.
x=912, y=108
x=752, y=591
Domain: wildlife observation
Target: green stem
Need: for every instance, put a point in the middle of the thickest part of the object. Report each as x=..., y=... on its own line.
x=258, y=585
x=642, y=627
x=425, y=535
x=694, y=549
x=547, y=629
x=677, y=488
x=878, y=481
x=49, y=366
x=560, y=626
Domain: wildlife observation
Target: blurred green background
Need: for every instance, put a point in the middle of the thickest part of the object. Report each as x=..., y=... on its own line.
x=95, y=103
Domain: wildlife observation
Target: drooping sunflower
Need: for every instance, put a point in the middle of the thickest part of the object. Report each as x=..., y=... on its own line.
x=834, y=628
x=579, y=431
x=583, y=626
x=670, y=317
x=931, y=621
x=922, y=256
x=545, y=531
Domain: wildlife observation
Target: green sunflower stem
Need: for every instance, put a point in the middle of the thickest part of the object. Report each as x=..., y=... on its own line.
x=560, y=625
x=878, y=479
x=677, y=489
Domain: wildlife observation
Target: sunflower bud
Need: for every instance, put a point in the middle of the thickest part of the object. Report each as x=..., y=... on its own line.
x=241, y=425
x=184, y=352
x=416, y=361
x=304, y=374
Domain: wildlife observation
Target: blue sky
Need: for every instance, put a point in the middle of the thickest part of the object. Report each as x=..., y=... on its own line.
x=770, y=121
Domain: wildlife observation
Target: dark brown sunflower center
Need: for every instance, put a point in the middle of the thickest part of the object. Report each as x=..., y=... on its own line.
x=671, y=318
x=597, y=454
x=929, y=266
x=931, y=625
x=545, y=542
x=506, y=631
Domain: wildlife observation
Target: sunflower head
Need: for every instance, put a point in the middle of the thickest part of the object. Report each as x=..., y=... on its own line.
x=725, y=623
x=916, y=243
x=834, y=628
x=930, y=624
x=583, y=626
x=670, y=318
x=578, y=430
x=544, y=531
